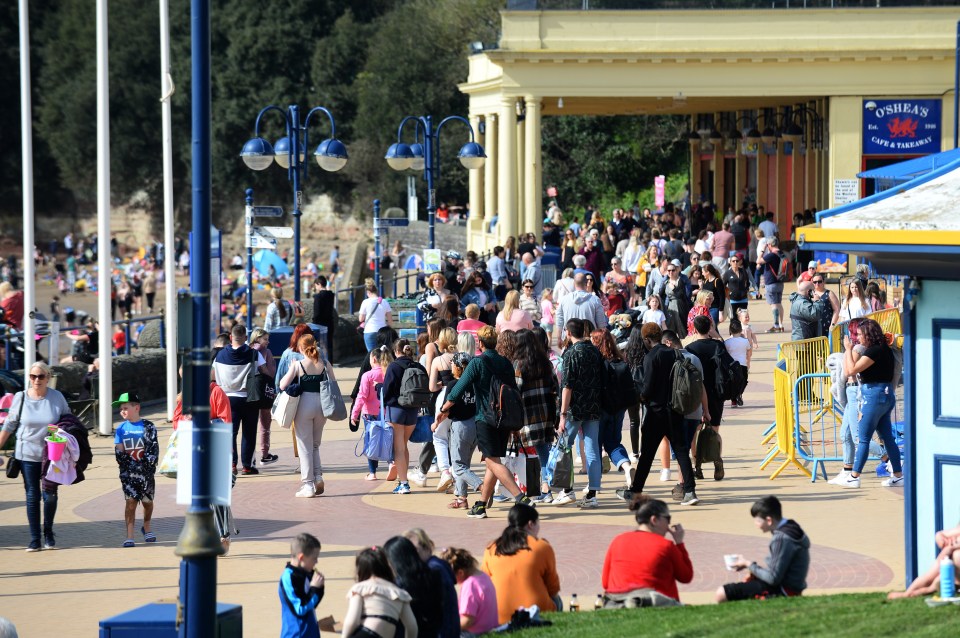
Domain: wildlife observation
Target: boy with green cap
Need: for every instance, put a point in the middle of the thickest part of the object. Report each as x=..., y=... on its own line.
x=137, y=451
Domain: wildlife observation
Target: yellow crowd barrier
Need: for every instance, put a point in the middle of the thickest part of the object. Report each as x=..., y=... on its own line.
x=889, y=319
x=784, y=431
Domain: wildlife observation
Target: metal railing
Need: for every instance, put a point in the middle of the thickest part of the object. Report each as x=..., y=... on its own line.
x=353, y=293
x=11, y=338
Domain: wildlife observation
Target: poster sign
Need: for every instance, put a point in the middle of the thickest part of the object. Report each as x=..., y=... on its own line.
x=831, y=262
x=431, y=260
x=845, y=191
x=551, y=191
x=659, y=186
x=898, y=127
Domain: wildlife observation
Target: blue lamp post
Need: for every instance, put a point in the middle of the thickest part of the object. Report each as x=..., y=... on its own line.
x=426, y=157
x=290, y=153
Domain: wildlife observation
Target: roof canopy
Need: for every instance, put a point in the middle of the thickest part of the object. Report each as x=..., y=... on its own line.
x=894, y=174
x=912, y=229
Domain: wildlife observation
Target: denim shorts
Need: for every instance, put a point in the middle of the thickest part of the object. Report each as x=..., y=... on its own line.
x=401, y=416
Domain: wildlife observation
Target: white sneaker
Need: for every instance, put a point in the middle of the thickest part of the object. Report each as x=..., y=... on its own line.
x=418, y=478
x=589, y=503
x=665, y=474
x=446, y=480
x=840, y=478
x=894, y=481
x=433, y=468
x=629, y=474
x=564, y=498
x=306, y=491
x=851, y=481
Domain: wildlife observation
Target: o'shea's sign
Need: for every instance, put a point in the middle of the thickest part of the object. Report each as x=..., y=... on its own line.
x=901, y=127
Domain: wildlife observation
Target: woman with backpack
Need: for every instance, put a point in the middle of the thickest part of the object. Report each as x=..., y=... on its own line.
x=402, y=380
x=620, y=387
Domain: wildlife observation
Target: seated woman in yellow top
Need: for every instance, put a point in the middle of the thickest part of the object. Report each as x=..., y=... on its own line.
x=522, y=566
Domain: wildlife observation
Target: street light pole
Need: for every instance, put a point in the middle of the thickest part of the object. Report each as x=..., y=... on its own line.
x=426, y=157
x=290, y=153
x=199, y=544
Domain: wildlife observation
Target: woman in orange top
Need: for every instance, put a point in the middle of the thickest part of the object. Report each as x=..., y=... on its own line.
x=522, y=566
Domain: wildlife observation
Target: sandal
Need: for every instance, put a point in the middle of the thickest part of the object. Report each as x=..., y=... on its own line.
x=129, y=543
x=148, y=537
x=370, y=477
x=457, y=504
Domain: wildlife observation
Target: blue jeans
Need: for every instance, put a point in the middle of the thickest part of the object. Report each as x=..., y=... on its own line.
x=611, y=435
x=848, y=427
x=876, y=403
x=31, y=485
x=370, y=340
x=715, y=315
x=591, y=445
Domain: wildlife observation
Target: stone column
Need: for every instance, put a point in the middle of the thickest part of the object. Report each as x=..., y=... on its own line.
x=520, y=160
x=533, y=172
x=506, y=169
x=477, y=211
x=490, y=169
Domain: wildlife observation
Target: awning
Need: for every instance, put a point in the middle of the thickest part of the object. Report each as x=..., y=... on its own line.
x=909, y=169
x=912, y=229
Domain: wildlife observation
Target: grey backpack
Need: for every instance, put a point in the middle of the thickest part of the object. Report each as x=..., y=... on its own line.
x=686, y=388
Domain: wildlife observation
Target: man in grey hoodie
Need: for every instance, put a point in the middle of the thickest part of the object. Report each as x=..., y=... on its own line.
x=579, y=304
x=805, y=313
x=787, y=565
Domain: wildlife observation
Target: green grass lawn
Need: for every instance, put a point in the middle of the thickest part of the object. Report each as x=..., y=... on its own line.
x=841, y=615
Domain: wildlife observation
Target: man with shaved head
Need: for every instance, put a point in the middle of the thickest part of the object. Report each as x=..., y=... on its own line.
x=805, y=313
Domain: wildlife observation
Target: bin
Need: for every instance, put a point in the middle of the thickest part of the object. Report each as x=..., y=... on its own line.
x=159, y=620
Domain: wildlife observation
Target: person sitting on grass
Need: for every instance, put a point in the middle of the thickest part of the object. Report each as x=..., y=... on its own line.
x=948, y=541
x=301, y=589
x=137, y=451
x=478, y=596
x=787, y=565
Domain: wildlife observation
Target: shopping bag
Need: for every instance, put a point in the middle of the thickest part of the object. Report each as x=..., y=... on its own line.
x=377, y=439
x=170, y=461
x=516, y=464
x=533, y=475
x=559, y=470
x=331, y=400
x=422, y=432
x=284, y=409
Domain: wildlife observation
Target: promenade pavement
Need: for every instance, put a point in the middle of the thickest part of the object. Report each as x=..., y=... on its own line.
x=857, y=535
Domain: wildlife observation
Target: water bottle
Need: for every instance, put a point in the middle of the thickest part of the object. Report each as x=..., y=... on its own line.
x=598, y=604
x=947, y=583
x=574, y=603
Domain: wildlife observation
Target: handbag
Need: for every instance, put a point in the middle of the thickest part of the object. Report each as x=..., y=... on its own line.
x=261, y=391
x=559, y=470
x=284, y=407
x=362, y=325
x=331, y=400
x=422, y=432
x=13, y=463
x=377, y=437
x=170, y=461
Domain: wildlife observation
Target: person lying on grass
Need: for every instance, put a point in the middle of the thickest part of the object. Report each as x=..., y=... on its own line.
x=948, y=541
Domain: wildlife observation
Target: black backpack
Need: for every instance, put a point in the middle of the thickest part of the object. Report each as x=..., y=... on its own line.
x=415, y=388
x=505, y=407
x=729, y=375
x=620, y=391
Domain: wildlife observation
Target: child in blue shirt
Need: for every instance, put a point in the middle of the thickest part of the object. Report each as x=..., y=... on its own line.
x=137, y=451
x=301, y=589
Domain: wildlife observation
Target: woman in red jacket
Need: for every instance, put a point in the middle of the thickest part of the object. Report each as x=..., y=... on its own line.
x=646, y=560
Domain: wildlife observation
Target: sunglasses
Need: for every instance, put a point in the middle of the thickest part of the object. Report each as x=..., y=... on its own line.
x=671, y=270
x=37, y=377
x=528, y=286
x=667, y=518
x=817, y=281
